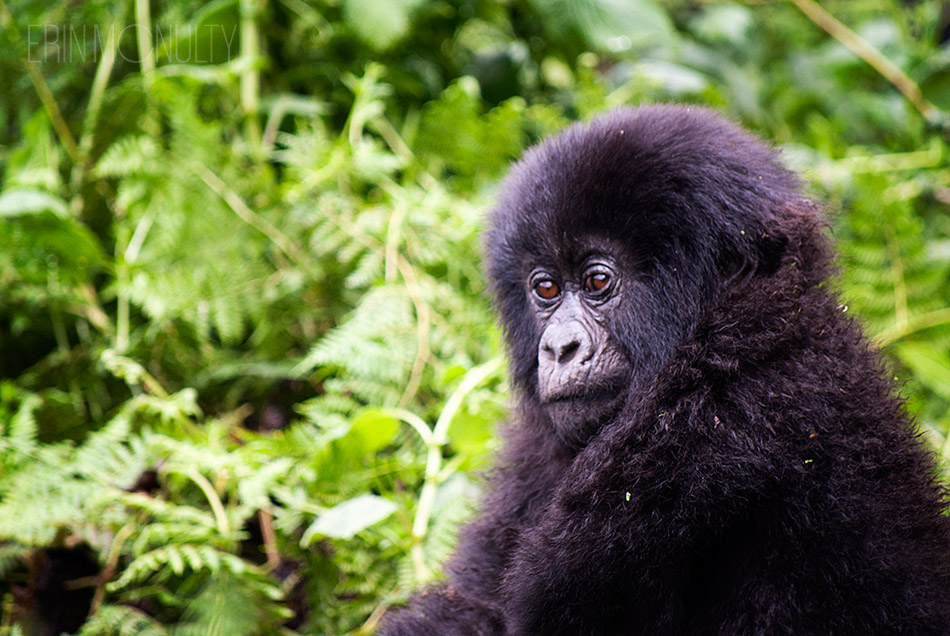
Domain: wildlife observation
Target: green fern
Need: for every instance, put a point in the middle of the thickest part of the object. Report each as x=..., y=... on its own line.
x=174, y=560
x=229, y=606
x=888, y=277
x=372, y=351
x=121, y=620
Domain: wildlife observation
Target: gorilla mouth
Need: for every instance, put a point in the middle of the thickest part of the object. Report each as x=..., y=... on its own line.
x=584, y=395
x=577, y=416
x=580, y=411
x=601, y=391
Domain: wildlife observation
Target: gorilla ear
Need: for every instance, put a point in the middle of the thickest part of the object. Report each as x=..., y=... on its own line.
x=763, y=259
x=771, y=249
x=733, y=267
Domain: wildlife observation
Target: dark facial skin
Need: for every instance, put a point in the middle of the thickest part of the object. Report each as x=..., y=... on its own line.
x=582, y=370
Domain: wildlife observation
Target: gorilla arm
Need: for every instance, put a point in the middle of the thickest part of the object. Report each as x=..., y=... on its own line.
x=615, y=541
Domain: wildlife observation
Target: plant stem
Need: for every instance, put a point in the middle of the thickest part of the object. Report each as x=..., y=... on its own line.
x=392, y=239
x=423, y=323
x=249, y=216
x=420, y=524
x=112, y=561
x=415, y=422
x=863, y=49
x=93, y=106
x=42, y=88
x=250, y=73
x=897, y=274
x=143, y=35
x=914, y=324
x=122, y=309
x=266, y=520
x=220, y=516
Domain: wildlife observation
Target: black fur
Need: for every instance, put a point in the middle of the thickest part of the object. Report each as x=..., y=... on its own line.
x=762, y=477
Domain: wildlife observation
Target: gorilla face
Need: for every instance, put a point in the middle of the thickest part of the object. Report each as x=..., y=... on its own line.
x=611, y=240
x=603, y=325
x=583, y=371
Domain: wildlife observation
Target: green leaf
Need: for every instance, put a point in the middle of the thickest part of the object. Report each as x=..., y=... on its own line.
x=17, y=202
x=609, y=25
x=344, y=520
x=725, y=23
x=44, y=248
x=210, y=37
x=930, y=365
x=675, y=79
x=379, y=23
x=372, y=431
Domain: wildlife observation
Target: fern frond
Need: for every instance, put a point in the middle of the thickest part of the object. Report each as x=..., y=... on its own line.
x=373, y=350
x=111, y=456
x=229, y=606
x=138, y=155
x=121, y=620
x=165, y=511
x=19, y=438
x=162, y=563
x=35, y=503
x=888, y=273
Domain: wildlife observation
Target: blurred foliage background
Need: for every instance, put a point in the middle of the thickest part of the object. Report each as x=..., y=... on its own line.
x=248, y=369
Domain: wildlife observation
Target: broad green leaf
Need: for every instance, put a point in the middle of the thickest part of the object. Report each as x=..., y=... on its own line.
x=344, y=520
x=674, y=78
x=372, y=431
x=21, y=202
x=212, y=36
x=930, y=365
x=379, y=23
x=723, y=23
x=609, y=25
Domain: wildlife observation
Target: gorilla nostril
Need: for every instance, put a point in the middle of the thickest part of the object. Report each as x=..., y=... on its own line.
x=568, y=350
x=563, y=343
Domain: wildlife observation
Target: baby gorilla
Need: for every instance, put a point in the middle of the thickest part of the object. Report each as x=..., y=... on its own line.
x=705, y=442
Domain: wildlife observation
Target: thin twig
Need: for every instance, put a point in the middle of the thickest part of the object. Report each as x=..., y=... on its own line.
x=42, y=88
x=250, y=73
x=266, y=519
x=217, y=507
x=863, y=49
x=249, y=216
x=914, y=324
x=112, y=561
x=423, y=324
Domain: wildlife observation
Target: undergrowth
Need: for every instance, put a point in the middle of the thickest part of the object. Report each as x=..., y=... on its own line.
x=249, y=372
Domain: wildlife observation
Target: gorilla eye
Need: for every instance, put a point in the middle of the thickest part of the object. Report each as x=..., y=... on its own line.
x=596, y=282
x=547, y=289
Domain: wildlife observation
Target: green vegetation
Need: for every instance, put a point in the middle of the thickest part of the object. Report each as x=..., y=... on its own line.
x=248, y=368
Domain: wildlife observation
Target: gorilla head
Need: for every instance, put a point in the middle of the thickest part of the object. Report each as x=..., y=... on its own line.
x=596, y=277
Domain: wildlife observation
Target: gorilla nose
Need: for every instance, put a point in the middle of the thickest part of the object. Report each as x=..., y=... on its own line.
x=561, y=352
x=561, y=343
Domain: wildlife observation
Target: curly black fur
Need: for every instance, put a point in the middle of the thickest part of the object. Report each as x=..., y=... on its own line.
x=763, y=480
